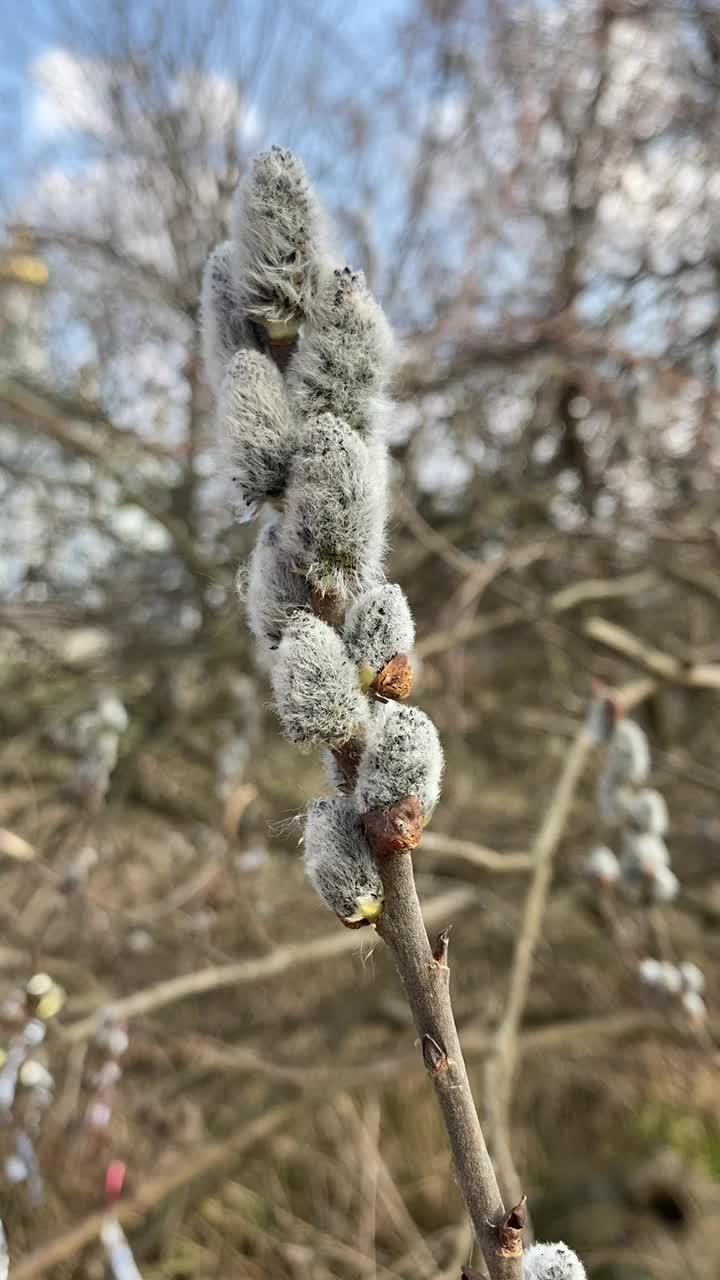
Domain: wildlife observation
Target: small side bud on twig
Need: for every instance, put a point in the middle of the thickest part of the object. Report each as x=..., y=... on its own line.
x=396, y=829
x=552, y=1262
x=339, y=864
x=440, y=950
x=510, y=1231
x=434, y=1057
x=317, y=695
x=256, y=428
x=395, y=680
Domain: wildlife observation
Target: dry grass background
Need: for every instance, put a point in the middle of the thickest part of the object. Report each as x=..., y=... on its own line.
x=615, y=1122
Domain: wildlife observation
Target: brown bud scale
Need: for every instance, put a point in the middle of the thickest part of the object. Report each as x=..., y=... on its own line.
x=395, y=680
x=510, y=1231
x=396, y=829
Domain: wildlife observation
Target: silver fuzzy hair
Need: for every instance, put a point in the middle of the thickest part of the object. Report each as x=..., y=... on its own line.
x=256, y=429
x=224, y=325
x=338, y=861
x=342, y=364
x=280, y=235
x=665, y=885
x=646, y=810
x=644, y=859
x=402, y=757
x=602, y=865
x=378, y=626
x=552, y=1262
x=334, y=526
x=317, y=691
x=628, y=757
x=272, y=592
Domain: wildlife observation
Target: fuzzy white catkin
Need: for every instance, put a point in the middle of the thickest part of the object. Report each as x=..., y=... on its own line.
x=693, y=977
x=224, y=325
x=643, y=853
x=378, y=626
x=338, y=861
x=402, y=757
x=694, y=1006
x=665, y=885
x=646, y=810
x=317, y=692
x=552, y=1262
x=273, y=592
x=603, y=865
x=256, y=429
x=629, y=753
x=651, y=972
x=334, y=524
x=281, y=238
x=343, y=360
x=113, y=713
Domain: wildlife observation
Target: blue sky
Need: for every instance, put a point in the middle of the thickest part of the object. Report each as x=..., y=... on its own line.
x=349, y=39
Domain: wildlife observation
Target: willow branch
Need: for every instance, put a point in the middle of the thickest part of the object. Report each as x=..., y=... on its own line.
x=502, y=1067
x=693, y=675
x=425, y=977
x=212, y=1158
x=243, y=972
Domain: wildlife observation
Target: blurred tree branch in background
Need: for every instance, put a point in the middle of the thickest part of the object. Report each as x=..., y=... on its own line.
x=532, y=190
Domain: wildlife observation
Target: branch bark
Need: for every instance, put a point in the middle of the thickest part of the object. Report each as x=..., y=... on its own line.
x=425, y=977
x=693, y=675
x=501, y=1070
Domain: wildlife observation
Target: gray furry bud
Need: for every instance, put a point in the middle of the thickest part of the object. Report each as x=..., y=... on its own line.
x=274, y=591
x=378, y=626
x=629, y=753
x=644, y=857
x=645, y=810
x=603, y=866
x=317, y=692
x=343, y=360
x=664, y=885
x=339, y=864
x=224, y=324
x=403, y=757
x=695, y=1007
x=552, y=1262
x=334, y=522
x=256, y=429
x=279, y=229
x=112, y=713
x=693, y=977
x=652, y=972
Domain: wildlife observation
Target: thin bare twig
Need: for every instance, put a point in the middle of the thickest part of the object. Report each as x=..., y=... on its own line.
x=693, y=675
x=425, y=977
x=476, y=855
x=243, y=972
x=502, y=1067
x=210, y=1159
